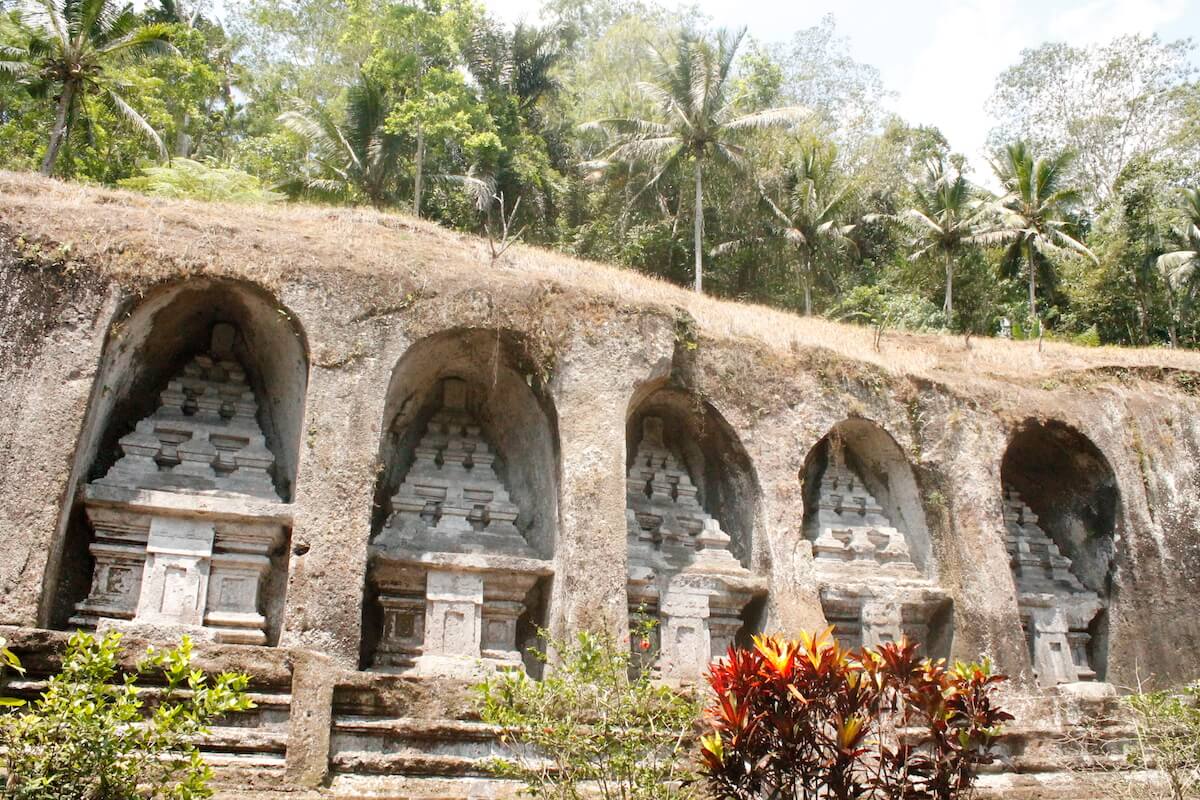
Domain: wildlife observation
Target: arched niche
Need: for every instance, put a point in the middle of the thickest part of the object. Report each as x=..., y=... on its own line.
x=871, y=548
x=1062, y=514
x=692, y=501
x=150, y=344
x=466, y=502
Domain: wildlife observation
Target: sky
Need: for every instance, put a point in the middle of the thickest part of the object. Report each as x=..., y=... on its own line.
x=911, y=41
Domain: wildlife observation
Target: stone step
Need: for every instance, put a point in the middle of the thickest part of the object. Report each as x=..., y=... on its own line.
x=408, y=764
x=454, y=730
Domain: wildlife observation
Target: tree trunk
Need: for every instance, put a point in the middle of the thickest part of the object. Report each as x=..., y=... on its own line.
x=420, y=164
x=58, y=134
x=183, y=142
x=1172, y=327
x=699, y=237
x=948, y=306
x=804, y=269
x=1033, y=315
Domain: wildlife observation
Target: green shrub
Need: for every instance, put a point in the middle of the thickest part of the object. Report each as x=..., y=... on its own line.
x=94, y=734
x=594, y=726
x=195, y=180
x=809, y=720
x=1168, y=739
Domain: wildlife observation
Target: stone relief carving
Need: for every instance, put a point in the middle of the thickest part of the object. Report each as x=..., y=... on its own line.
x=452, y=571
x=185, y=522
x=871, y=590
x=1056, y=609
x=681, y=570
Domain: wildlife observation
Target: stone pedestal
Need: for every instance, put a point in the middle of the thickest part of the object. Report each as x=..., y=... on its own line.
x=170, y=562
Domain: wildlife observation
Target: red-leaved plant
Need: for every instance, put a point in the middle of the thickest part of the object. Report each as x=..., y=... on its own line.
x=799, y=720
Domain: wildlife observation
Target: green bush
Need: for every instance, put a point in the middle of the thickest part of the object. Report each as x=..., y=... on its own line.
x=194, y=180
x=94, y=734
x=589, y=729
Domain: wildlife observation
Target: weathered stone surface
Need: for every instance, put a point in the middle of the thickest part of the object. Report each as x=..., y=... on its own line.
x=94, y=332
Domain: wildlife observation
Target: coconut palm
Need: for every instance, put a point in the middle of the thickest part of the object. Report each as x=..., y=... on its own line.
x=1182, y=267
x=1031, y=215
x=359, y=157
x=697, y=118
x=807, y=219
x=947, y=217
x=70, y=53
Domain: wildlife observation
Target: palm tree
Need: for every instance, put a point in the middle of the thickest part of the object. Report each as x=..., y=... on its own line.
x=358, y=157
x=72, y=48
x=808, y=217
x=1031, y=215
x=697, y=118
x=1182, y=267
x=947, y=216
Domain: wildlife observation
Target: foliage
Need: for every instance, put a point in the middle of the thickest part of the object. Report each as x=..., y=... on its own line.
x=95, y=733
x=807, y=719
x=589, y=726
x=1108, y=104
x=196, y=180
x=1167, y=738
x=70, y=56
x=1033, y=216
x=696, y=118
x=358, y=158
x=629, y=131
x=8, y=661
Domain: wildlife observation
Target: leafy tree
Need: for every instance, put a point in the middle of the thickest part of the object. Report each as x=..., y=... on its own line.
x=589, y=728
x=359, y=157
x=1108, y=104
x=1032, y=215
x=1182, y=267
x=697, y=118
x=947, y=217
x=95, y=733
x=801, y=720
x=71, y=56
x=809, y=217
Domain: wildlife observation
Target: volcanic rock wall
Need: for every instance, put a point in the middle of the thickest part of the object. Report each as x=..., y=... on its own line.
x=364, y=464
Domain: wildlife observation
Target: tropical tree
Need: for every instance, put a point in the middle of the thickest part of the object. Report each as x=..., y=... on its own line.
x=71, y=54
x=1032, y=218
x=946, y=217
x=357, y=157
x=698, y=118
x=808, y=219
x=1182, y=267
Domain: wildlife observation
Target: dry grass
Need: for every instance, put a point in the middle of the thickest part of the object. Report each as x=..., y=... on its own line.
x=148, y=239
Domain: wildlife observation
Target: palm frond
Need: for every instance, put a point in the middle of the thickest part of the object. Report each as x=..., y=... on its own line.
x=130, y=115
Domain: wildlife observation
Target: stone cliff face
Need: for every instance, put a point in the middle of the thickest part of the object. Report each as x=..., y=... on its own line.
x=395, y=460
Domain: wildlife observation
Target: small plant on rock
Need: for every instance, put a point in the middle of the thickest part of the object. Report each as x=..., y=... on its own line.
x=94, y=734
x=801, y=720
x=590, y=728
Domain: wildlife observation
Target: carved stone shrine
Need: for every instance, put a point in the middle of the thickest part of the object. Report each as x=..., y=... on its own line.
x=681, y=571
x=1056, y=609
x=453, y=573
x=186, y=522
x=871, y=591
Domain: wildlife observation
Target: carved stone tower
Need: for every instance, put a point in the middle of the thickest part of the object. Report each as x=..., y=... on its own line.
x=452, y=571
x=1056, y=609
x=681, y=571
x=187, y=520
x=871, y=590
